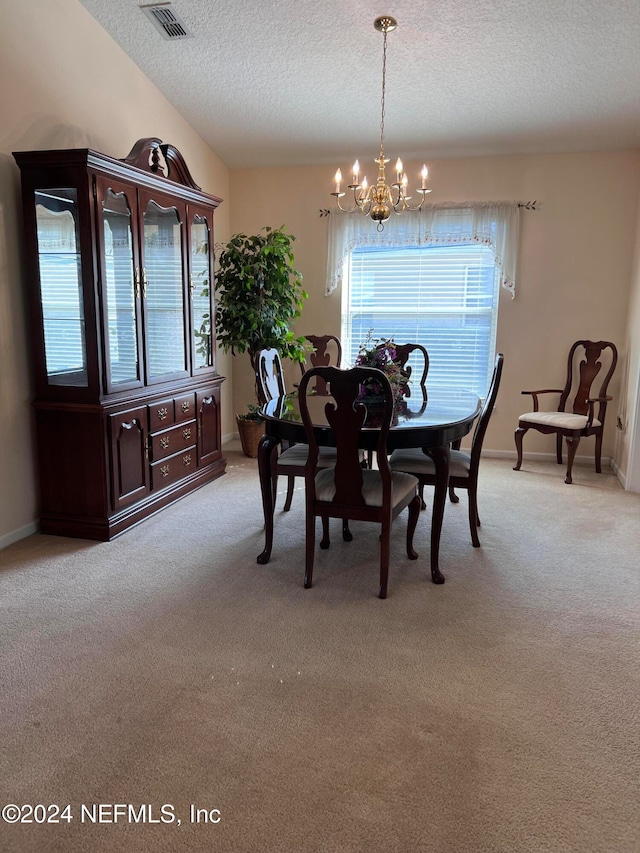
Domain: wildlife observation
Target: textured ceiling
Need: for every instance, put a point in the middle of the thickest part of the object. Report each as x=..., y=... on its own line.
x=296, y=82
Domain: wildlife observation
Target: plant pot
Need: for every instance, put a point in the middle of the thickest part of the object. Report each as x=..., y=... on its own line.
x=251, y=431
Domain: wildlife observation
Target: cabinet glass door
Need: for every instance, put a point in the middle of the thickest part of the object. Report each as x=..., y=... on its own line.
x=163, y=293
x=121, y=292
x=200, y=271
x=61, y=286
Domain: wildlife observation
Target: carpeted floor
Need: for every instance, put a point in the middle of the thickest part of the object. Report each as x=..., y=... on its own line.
x=498, y=712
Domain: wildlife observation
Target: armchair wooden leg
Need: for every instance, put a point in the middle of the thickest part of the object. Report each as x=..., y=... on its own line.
x=326, y=539
x=572, y=446
x=346, y=533
x=414, y=512
x=519, y=435
x=452, y=496
x=290, y=484
x=559, y=448
x=599, y=453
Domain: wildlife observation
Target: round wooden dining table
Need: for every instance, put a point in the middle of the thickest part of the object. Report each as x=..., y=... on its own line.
x=430, y=418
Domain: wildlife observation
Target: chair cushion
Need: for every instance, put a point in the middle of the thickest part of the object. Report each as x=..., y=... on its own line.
x=414, y=461
x=297, y=455
x=401, y=486
x=562, y=420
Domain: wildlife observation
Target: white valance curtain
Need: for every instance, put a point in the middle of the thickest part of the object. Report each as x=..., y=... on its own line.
x=494, y=223
x=57, y=230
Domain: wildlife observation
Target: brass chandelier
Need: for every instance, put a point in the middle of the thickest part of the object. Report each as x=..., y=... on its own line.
x=379, y=200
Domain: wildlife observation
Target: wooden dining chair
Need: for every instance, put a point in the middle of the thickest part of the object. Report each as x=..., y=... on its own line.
x=405, y=353
x=463, y=466
x=347, y=490
x=326, y=352
x=584, y=364
x=291, y=459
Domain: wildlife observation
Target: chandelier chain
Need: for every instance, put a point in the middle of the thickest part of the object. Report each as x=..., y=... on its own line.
x=384, y=81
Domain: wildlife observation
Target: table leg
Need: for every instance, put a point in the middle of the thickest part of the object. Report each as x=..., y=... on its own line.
x=266, y=461
x=441, y=458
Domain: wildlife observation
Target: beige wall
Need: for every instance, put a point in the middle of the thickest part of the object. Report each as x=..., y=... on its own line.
x=629, y=439
x=575, y=264
x=66, y=84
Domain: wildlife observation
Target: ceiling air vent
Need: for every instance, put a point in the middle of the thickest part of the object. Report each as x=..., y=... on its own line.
x=166, y=21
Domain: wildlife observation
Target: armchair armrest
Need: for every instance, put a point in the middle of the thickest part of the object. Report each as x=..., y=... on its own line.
x=534, y=394
x=591, y=401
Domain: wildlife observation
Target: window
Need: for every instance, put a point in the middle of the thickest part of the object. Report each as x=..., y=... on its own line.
x=443, y=297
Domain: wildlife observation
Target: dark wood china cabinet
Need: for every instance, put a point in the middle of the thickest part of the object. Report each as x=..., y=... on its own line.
x=119, y=257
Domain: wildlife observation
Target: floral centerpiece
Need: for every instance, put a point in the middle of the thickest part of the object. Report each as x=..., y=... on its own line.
x=381, y=353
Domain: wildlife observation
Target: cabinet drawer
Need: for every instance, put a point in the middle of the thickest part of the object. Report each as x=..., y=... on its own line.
x=185, y=408
x=173, y=468
x=161, y=415
x=172, y=440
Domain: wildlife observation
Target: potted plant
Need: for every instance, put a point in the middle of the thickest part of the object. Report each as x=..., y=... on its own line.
x=259, y=295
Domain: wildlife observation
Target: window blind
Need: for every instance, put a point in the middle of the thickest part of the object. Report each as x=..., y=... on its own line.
x=443, y=297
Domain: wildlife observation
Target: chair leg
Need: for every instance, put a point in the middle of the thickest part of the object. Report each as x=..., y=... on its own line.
x=326, y=541
x=346, y=533
x=519, y=435
x=559, y=448
x=414, y=512
x=474, y=521
x=572, y=446
x=385, y=550
x=421, y=494
x=310, y=545
x=452, y=496
x=290, y=484
x=599, y=453
x=274, y=483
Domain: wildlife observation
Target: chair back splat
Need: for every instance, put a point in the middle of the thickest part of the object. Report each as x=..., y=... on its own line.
x=404, y=353
x=348, y=490
x=269, y=376
x=587, y=370
x=327, y=352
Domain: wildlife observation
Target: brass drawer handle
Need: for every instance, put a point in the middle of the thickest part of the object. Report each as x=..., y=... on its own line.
x=164, y=443
x=163, y=413
x=186, y=460
x=164, y=471
x=186, y=406
x=186, y=433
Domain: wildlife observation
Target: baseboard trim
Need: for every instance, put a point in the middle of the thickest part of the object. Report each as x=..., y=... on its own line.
x=16, y=535
x=620, y=475
x=543, y=457
x=230, y=436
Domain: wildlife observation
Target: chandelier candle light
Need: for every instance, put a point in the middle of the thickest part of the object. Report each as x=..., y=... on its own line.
x=379, y=200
